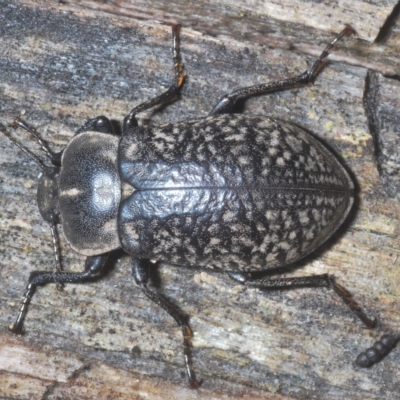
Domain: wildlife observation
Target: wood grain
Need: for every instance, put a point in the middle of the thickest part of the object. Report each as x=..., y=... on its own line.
x=64, y=62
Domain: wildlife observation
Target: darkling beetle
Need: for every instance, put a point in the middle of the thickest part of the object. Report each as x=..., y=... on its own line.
x=240, y=194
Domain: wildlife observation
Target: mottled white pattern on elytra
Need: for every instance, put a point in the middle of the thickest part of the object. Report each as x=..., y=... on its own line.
x=233, y=192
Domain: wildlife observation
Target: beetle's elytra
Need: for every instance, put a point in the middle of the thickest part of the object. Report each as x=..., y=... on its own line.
x=239, y=194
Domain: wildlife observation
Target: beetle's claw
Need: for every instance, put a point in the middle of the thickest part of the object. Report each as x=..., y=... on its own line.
x=16, y=329
x=194, y=384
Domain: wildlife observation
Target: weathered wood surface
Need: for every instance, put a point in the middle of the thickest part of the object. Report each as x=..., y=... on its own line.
x=62, y=63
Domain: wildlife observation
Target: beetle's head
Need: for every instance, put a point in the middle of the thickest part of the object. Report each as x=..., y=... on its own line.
x=47, y=194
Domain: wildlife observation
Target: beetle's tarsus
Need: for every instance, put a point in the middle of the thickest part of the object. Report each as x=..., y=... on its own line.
x=179, y=76
x=187, y=335
x=313, y=72
x=351, y=303
x=17, y=328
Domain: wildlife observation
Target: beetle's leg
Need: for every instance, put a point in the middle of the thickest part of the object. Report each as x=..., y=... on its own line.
x=141, y=275
x=93, y=267
x=171, y=93
x=226, y=103
x=56, y=251
x=307, y=281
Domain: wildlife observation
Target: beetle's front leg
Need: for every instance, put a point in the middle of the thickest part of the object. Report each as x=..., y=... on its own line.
x=170, y=93
x=141, y=275
x=93, y=267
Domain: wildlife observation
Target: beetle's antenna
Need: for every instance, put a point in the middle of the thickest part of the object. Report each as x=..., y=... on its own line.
x=34, y=157
x=45, y=148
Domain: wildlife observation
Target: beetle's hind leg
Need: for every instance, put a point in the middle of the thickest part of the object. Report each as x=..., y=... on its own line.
x=227, y=103
x=171, y=93
x=93, y=267
x=307, y=281
x=140, y=271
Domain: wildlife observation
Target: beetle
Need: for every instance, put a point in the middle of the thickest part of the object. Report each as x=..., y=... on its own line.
x=239, y=194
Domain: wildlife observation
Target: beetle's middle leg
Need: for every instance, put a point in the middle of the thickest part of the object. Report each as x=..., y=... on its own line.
x=307, y=281
x=93, y=267
x=141, y=275
x=226, y=103
x=170, y=93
